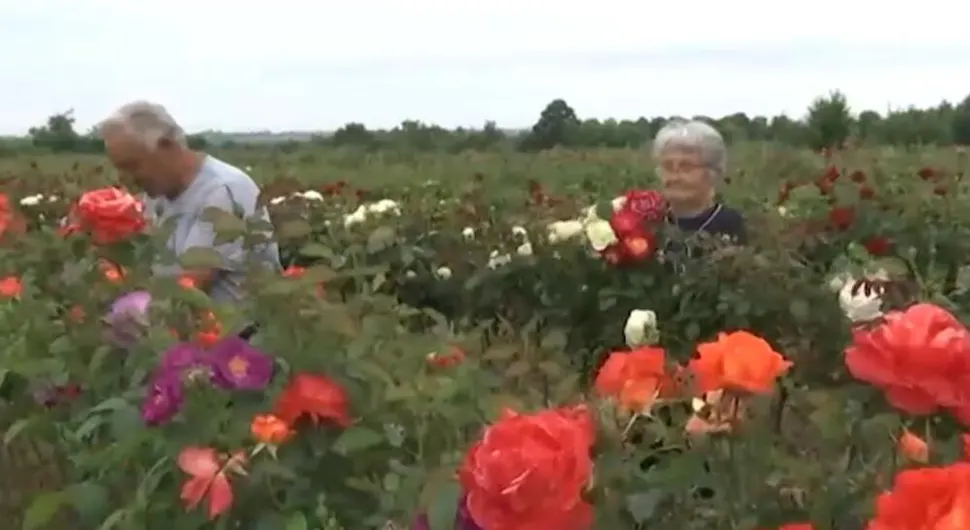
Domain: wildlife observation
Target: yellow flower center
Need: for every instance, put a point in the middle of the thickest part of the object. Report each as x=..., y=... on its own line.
x=238, y=366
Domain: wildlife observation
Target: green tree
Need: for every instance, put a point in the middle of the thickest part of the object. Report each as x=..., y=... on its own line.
x=557, y=126
x=829, y=121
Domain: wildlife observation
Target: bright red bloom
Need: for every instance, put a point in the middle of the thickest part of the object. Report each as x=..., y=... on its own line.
x=313, y=395
x=529, y=471
x=919, y=357
x=877, y=246
x=626, y=223
x=926, y=498
x=841, y=217
x=648, y=204
x=639, y=247
x=796, y=526
x=927, y=173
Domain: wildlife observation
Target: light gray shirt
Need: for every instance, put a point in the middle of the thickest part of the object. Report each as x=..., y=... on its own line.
x=220, y=185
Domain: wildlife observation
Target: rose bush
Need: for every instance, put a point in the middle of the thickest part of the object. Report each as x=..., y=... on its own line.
x=448, y=358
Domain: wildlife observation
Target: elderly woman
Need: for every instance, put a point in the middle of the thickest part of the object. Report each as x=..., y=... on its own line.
x=691, y=160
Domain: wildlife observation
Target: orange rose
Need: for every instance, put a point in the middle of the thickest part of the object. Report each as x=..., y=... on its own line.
x=529, y=471
x=738, y=361
x=109, y=214
x=929, y=497
x=10, y=287
x=914, y=448
x=633, y=378
x=269, y=429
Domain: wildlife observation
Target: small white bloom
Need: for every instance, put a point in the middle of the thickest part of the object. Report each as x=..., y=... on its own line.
x=443, y=272
x=277, y=200
x=358, y=216
x=248, y=168
x=525, y=249
x=496, y=260
x=384, y=206
x=468, y=233
x=312, y=195
x=782, y=211
x=860, y=307
x=600, y=234
x=31, y=200
x=619, y=203
x=52, y=198
x=641, y=328
x=519, y=231
x=564, y=230
x=410, y=274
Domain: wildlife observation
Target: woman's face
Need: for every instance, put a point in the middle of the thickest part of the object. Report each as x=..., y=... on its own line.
x=685, y=177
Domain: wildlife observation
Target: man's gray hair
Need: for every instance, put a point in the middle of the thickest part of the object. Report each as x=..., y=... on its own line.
x=148, y=122
x=693, y=135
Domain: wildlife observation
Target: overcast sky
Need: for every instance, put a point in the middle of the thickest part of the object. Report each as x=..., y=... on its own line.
x=317, y=64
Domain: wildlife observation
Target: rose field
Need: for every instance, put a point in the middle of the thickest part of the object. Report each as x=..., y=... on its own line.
x=493, y=341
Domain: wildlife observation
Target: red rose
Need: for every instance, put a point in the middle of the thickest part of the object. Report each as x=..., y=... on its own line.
x=648, y=204
x=316, y=396
x=528, y=472
x=109, y=214
x=918, y=357
x=626, y=223
x=929, y=497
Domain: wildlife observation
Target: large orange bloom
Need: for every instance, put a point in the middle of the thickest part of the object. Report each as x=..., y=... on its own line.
x=316, y=396
x=919, y=357
x=109, y=214
x=633, y=378
x=528, y=472
x=923, y=498
x=738, y=361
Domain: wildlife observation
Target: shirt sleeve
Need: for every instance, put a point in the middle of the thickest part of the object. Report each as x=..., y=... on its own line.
x=203, y=234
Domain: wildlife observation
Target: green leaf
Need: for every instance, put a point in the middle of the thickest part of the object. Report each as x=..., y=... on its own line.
x=380, y=238
x=356, y=439
x=799, y=309
x=297, y=521
x=200, y=258
x=296, y=229
x=444, y=506
x=15, y=429
x=90, y=499
x=110, y=404
x=316, y=250
x=126, y=422
x=642, y=505
x=43, y=509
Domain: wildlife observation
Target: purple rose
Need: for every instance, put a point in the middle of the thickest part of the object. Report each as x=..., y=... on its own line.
x=128, y=318
x=163, y=399
x=187, y=361
x=238, y=366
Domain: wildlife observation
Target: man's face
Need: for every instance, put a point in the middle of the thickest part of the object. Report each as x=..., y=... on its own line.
x=148, y=169
x=685, y=176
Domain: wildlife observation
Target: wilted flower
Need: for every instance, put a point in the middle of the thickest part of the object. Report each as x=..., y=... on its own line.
x=208, y=479
x=641, y=328
x=236, y=365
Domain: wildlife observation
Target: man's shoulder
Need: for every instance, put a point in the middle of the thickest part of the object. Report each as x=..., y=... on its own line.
x=225, y=182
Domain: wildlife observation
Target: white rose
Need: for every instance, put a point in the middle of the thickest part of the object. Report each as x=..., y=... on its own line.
x=600, y=234
x=641, y=328
x=468, y=233
x=443, y=272
x=564, y=230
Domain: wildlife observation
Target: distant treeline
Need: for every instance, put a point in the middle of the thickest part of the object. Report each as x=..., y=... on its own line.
x=828, y=122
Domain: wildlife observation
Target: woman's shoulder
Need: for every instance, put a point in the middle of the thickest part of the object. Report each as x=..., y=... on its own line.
x=730, y=222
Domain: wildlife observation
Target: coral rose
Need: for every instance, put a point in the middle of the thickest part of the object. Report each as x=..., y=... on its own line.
x=648, y=204
x=633, y=378
x=528, y=472
x=919, y=357
x=109, y=214
x=926, y=498
x=739, y=361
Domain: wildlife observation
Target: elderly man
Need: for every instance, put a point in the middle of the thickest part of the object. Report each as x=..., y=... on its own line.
x=144, y=142
x=691, y=160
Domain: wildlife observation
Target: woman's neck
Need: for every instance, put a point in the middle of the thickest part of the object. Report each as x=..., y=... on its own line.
x=692, y=209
